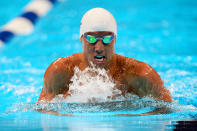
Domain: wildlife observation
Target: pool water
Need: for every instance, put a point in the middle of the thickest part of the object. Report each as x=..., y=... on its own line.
x=160, y=33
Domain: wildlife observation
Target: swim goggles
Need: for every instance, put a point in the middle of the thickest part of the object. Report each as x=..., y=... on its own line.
x=92, y=39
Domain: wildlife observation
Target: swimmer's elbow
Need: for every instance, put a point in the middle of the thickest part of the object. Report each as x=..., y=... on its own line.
x=163, y=94
x=45, y=97
x=169, y=98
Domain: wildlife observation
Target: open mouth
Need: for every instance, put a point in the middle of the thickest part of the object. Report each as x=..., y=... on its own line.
x=99, y=58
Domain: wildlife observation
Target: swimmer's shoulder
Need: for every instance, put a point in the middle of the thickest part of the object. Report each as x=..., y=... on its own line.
x=72, y=60
x=65, y=64
x=144, y=70
x=134, y=66
x=125, y=62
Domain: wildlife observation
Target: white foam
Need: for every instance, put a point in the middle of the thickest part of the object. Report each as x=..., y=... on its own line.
x=91, y=85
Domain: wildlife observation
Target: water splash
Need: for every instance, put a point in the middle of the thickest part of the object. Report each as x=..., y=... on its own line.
x=135, y=106
x=90, y=85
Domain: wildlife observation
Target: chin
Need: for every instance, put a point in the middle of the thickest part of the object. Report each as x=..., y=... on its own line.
x=100, y=65
x=97, y=64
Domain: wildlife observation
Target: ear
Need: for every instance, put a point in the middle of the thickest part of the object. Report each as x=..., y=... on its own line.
x=81, y=39
x=114, y=39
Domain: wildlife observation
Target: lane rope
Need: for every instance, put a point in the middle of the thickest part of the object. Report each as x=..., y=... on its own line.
x=24, y=23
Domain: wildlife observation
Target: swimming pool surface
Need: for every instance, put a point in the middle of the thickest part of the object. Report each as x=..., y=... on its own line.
x=160, y=33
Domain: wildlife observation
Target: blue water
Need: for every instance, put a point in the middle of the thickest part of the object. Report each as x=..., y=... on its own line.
x=160, y=33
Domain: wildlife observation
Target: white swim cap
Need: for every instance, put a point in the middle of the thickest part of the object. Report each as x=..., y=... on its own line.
x=98, y=19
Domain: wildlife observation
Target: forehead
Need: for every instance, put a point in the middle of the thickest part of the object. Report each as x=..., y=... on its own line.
x=100, y=33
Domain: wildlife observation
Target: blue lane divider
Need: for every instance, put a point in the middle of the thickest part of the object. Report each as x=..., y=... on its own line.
x=31, y=16
x=5, y=36
x=23, y=24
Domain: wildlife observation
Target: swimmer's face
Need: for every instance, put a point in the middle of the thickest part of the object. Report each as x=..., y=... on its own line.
x=98, y=53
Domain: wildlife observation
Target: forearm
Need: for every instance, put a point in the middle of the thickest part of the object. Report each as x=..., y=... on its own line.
x=149, y=85
x=45, y=97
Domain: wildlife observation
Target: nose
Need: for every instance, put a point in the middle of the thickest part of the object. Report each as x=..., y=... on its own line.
x=99, y=51
x=99, y=47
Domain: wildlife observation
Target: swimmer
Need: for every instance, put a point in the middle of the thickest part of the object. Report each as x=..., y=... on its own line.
x=98, y=33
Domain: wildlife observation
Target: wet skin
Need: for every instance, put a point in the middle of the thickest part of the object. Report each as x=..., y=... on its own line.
x=91, y=51
x=129, y=75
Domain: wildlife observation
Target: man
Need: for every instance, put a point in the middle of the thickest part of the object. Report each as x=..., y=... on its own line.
x=98, y=31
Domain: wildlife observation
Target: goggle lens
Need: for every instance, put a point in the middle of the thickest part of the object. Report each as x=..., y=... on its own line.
x=107, y=39
x=92, y=39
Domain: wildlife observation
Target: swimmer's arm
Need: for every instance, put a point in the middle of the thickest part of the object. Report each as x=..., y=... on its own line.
x=56, y=79
x=148, y=83
x=158, y=111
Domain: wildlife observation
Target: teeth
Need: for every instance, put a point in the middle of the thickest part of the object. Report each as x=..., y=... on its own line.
x=100, y=59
